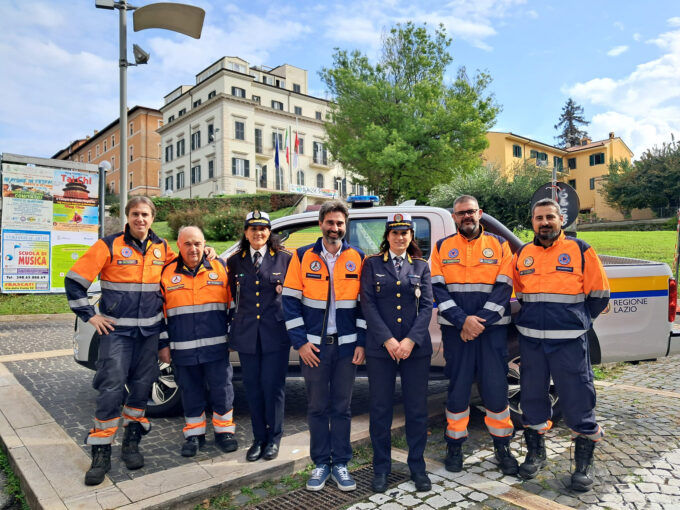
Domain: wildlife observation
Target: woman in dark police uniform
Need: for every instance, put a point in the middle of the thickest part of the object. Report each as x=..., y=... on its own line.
x=258, y=332
x=396, y=299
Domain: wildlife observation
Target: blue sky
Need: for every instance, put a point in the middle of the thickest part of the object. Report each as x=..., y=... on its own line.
x=619, y=59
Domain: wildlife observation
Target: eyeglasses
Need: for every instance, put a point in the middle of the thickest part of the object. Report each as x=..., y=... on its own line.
x=463, y=214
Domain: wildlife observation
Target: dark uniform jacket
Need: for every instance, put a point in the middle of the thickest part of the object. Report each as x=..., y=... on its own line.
x=390, y=306
x=256, y=302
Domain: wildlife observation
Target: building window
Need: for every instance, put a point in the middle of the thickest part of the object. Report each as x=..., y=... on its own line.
x=96, y=150
x=211, y=133
x=258, y=140
x=279, y=178
x=82, y=158
x=592, y=181
x=211, y=169
x=195, y=140
x=181, y=147
x=195, y=174
x=317, y=115
x=298, y=110
x=240, y=167
x=168, y=153
x=168, y=183
x=238, y=92
x=276, y=135
x=572, y=183
x=301, y=146
x=300, y=178
x=89, y=156
x=113, y=140
x=256, y=99
x=277, y=105
x=180, y=180
x=105, y=149
x=132, y=152
x=181, y=112
x=320, y=154
x=263, y=176
x=571, y=163
x=516, y=151
x=113, y=162
x=239, y=130
x=171, y=118
x=112, y=186
x=319, y=180
x=296, y=87
x=557, y=163
x=132, y=128
x=197, y=103
x=597, y=159
x=160, y=123
x=130, y=180
x=212, y=94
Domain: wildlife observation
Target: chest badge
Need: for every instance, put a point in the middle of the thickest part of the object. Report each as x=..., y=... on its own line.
x=213, y=276
x=279, y=289
x=157, y=253
x=564, y=259
x=176, y=279
x=488, y=253
x=528, y=262
x=315, y=265
x=350, y=266
x=453, y=253
x=126, y=252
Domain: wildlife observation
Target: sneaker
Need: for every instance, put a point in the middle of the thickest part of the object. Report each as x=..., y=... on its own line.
x=341, y=476
x=317, y=480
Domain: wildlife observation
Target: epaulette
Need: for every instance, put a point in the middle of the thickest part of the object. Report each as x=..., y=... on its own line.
x=286, y=251
x=420, y=258
x=373, y=255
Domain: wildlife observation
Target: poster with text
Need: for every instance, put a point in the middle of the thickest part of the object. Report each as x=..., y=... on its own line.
x=76, y=201
x=27, y=197
x=25, y=261
x=67, y=247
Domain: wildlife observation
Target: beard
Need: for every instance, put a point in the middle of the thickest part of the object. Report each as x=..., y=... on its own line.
x=468, y=228
x=548, y=235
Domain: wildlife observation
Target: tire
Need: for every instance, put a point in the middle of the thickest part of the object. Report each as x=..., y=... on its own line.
x=165, y=398
x=514, y=369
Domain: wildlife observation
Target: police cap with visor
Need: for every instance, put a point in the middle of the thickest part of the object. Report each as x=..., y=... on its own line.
x=257, y=219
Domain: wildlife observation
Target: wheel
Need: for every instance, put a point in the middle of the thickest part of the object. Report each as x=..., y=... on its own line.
x=514, y=366
x=165, y=398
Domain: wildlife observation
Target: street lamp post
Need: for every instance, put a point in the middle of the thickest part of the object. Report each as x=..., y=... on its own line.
x=182, y=18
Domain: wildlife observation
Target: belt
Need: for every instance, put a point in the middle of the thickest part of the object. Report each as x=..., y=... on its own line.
x=330, y=339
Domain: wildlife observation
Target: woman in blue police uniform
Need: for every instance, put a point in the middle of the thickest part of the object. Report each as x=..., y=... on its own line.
x=258, y=331
x=396, y=299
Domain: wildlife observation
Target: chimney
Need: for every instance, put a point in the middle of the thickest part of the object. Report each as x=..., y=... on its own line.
x=585, y=140
x=96, y=131
x=611, y=135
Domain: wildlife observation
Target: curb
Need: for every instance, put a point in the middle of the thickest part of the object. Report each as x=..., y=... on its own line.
x=37, y=317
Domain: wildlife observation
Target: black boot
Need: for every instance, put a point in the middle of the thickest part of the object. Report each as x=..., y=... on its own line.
x=506, y=462
x=130, y=449
x=226, y=442
x=536, y=457
x=192, y=445
x=101, y=464
x=454, y=457
x=583, y=455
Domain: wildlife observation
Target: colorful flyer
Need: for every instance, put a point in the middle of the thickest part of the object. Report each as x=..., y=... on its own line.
x=67, y=247
x=25, y=261
x=76, y=201
x=27, y=197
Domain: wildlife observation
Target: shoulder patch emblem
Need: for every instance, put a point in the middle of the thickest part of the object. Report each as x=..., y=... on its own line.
x=453, y=253
x=350, y=266
x=315, y=265
x=176, y=279
x=126, y=252
x=528, y=261
x=212, y=276
x=564, y=259
x=157, y=253
x=488, y=253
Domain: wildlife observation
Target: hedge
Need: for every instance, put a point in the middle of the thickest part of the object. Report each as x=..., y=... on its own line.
x=263, y=201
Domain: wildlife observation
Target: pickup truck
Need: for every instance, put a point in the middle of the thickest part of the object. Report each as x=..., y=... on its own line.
x=637, y=324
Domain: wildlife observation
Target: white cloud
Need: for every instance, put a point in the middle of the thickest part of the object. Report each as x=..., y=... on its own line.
x=617, y=50
x=642, y=107
x=619, y=25
x=532, y=14
x=637, y=36
x=674, y=22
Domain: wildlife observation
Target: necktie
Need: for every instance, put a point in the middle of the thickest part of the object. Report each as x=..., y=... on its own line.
x=397, y=263
x=257, y=260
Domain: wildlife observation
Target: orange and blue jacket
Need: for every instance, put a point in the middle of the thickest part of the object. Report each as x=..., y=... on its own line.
x=130, y=282
x=472, y=277
x=196, y=303
x=306, y=298
x=561, y=288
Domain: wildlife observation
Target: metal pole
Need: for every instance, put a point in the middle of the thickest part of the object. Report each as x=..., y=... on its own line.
x=677, y=248
x=554, y=183
x=123, y=111
x=102, y=205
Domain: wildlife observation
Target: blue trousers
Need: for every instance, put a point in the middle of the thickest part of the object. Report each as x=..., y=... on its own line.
x=569, y=364
x=192, y=381
x=485, y=360
x=329, y=396
x=382, y=374
x=264, y=376
x=131, y=360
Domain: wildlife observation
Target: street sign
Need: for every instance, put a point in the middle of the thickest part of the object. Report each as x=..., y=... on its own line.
x=566, y=197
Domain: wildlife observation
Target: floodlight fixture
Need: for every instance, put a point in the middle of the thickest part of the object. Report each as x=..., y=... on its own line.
x=141, y=56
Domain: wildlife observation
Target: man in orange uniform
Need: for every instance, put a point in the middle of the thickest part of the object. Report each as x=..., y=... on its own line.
x=472, y=284
x=196, y=294
x=129, y=265
x=562, y=287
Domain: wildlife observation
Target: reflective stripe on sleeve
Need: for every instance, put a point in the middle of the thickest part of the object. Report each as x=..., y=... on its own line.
x=503, y=320
x=346, y=304
x=599, y=293
x=195, y=344
x=442, y=320
x=146, y=322
x=494, y=307
x=207, y=307
x=314, y=339
x=469, y=287
x=551, y=334
x=553, y=298
x=287, y=291
x=131, y=287
x=501, y=278
x=361, y=323
x=449, y=303
x=314, y=303
x=438, y=279
x=80, y=279
x=295, y=323
x=347, y=339
x=77, y=303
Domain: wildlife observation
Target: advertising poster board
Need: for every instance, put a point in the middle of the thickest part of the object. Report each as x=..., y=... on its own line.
x=25, y=261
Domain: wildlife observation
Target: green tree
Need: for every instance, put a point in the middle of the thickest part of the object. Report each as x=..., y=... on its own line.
x=570, y=121
x=506, y=198
x=396, y=124
x=652, y=181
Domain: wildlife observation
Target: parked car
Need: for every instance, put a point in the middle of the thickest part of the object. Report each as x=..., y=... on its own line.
x=637, y=325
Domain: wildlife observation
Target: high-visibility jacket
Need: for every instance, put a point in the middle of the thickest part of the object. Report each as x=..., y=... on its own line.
x=195, y=307
x=306, y=297
x=472, y=277
x=561, y=288
x=130, y=282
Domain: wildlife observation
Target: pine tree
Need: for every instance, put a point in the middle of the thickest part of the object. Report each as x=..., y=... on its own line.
x=569, y=123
